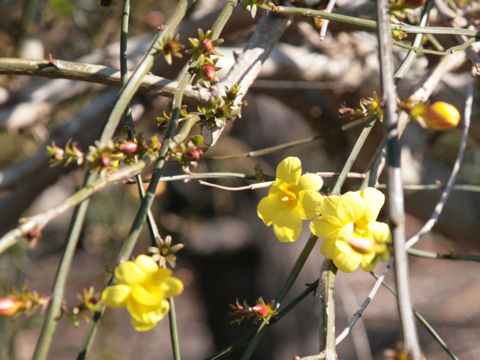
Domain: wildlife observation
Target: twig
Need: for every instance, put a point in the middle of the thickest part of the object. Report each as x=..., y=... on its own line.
x=424, y=322
x=395, y=200
x=291, y=144
x=370, y=24
x=453, y=175
x=451, y=256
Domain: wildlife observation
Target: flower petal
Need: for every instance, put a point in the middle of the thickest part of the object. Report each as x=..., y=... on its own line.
x=380, y=232
x=326, y=230
x=308, y=204
x=115, y=296
x=175, y=287
x=345, y=258
x=129, y=273
x=310, y=182
x=340, y=210
x=146, y=264
x=147, y=320
x=287, y=226
x=374, y=200
x=143, y=297
x=328, y=248
x=289, y=170
x=369, y=262
x=267, y=208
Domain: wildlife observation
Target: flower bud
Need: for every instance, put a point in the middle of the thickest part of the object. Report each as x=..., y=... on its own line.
x=194, y=154
x=129, y=147
x=260, y=309
x=9, y=306
x=206, y=46
x=104, y=160
x=441, y=115
x=208, y=72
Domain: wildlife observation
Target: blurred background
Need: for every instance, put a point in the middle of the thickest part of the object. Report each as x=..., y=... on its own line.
x=228, y=252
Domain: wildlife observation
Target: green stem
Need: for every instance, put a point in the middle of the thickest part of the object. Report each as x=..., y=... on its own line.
x=425, y=324
x=291, y=144
x=239, y=343
x=282, y=293
x=434, y=255
x=54, y=309
x=371, y=24
x=173, y=330
x=449, y=51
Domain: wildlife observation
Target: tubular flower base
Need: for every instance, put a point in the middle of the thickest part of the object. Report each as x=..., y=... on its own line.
x=352, y=236
x=292, y=198
x=143, y=287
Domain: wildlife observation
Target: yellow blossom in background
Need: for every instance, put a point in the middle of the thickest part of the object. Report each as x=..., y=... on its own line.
x=143, y=287
x=352, y=235
x=439, y=116
x=292, y=198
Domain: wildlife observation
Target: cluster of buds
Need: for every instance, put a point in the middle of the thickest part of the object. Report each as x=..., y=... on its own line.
x=172, y=47
x=164, y=252
x=71, y=154
x=25, y=302
x=258, y=312
x=103, y=158
x=369, y=108
x=203, y=50
x=89, y=300
x=439, y=115
x=218, y=111
x=187, y=152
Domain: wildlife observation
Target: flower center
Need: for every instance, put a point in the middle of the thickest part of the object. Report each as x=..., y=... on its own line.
x=289, y=197
x=362, y=245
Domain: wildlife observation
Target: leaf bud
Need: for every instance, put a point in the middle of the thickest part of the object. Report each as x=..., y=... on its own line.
x=128, y=147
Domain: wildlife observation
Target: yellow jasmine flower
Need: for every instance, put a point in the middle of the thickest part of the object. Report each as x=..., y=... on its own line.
x=352, y=235
x=292, y=198
x=143, y=287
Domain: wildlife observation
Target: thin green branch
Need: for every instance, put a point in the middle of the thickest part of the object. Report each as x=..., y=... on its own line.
x=291, y=144
x=449, y=51
x=173, y=330
x=434, y=255
x=302, y=258
x=425, y=324
x=371, y=24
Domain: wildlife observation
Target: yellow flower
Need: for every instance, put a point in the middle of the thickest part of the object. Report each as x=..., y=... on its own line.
x=292, y=198
x=352, y=236
x=143, y=287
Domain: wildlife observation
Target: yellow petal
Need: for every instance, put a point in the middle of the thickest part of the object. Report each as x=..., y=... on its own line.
x=374, y=201
x=326, y=230
x=143, y=297
x=287, y=226
x=115, y=296
x=146, y=264
x=369, y=262
x=328, y=248
x=380, y=232
x=147, y=320
x=160, y=275
x=289, y=170
x=340, y=210
x=345, y=258
x=143, y=326
x=309, y=204
x=267, y=209
x=175, y=287
x=129, y=273
x=310, y=182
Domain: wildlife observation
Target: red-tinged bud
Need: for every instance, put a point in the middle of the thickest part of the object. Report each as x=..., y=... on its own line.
x=260, y=309
x=170, y=45
x=129, y=147
x=206, y=46
x=194, y=154
x=9, y=306
x=208, y=72
x=104, y=160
